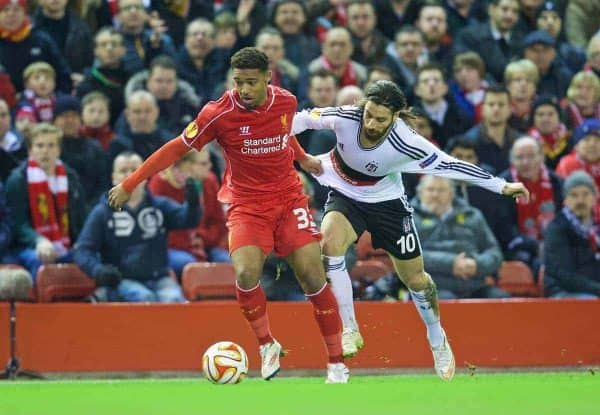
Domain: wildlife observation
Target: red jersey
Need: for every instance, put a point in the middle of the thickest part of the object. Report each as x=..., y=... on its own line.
x=255, y=143
x=571, y=162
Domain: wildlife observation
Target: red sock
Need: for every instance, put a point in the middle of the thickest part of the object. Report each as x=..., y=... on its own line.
x=254, y=307
x=328, y=319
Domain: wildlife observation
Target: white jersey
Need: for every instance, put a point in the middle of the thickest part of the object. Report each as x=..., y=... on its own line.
x=375, y=174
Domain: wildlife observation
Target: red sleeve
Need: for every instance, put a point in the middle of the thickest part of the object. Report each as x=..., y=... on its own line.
x=204, y=128
x=299, y=153
x=160, y=160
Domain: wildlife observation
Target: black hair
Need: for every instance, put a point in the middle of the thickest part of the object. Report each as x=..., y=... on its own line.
x=462, y=142
x=388, y=94
x=164, y=62
x=250, y=58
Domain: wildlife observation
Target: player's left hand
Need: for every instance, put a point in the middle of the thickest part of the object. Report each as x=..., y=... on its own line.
x=312, y=165
x=517, y=191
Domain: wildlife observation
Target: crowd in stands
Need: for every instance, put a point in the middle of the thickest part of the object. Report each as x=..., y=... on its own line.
x=91, y=88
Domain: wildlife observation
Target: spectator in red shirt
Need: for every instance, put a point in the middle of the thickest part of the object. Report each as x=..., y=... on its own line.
x=205, y=242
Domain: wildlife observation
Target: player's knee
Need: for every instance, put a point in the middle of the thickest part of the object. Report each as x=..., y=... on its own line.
x=419, y=281
x=333, y=245
x=247, y=275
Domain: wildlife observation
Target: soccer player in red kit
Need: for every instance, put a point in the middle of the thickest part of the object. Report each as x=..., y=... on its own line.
x=268, y=210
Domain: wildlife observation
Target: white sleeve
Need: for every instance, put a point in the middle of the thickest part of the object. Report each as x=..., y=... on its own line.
x=314, y=119
x=428, y=159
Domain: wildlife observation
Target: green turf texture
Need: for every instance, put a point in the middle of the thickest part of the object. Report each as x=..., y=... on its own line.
x=482, y=394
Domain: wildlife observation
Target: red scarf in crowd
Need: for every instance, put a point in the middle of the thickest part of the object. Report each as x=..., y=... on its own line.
x=38, y=110
x=49, y=213
x=349, y=77
x=19, y=33
x=577, y=117
x=103, y=135
x=535, y=215
x=555, y=143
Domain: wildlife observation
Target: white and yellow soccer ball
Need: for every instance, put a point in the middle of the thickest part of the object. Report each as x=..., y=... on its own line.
x=225, y=363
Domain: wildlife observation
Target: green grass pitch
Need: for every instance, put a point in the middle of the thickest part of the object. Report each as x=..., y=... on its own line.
x=565, y=393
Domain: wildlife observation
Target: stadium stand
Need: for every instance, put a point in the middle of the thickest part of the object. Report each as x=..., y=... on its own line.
x=208, y=280
x=59, y=282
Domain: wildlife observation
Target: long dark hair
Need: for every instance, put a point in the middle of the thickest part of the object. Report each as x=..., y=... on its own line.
x=388, y=94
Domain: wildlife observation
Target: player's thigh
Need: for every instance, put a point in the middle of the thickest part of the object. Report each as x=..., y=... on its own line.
x=307, y=265
x=338, y=234
x=295, y=227
x=248, y=264
x=252, y=224
x=344, y=221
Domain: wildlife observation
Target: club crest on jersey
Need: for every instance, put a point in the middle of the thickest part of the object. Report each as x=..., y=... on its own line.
x=406, y=225
x=371, y=166
x=245, y=130
x=191, y=131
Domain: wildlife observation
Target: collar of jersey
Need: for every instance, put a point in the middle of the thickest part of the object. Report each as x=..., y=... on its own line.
x=263, y=108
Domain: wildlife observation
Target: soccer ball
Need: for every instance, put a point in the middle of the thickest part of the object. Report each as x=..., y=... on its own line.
x=225, y=362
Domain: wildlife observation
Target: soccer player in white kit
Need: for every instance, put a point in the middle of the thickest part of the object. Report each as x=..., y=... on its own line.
x=375, y=145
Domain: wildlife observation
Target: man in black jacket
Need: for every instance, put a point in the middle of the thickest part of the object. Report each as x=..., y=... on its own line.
x=572, y=243
x=495, y=41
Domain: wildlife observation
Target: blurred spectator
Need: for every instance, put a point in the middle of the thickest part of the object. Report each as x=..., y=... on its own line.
x=95, y=116
x=572, y=245
x=434, y=26
x=126, y=251
x=458, y=246
x=378, y=73
x=337, y=50
x=549, y=19
x=108, y=74
x=525, y=222
x=521, y=78
x=468, y=86
x=198, y=61
x=586, y=156
x=546, y=127
x=71, y=34
x=369, y=43
x=490, y=204
x=394, y=14
x=527, y=15
x=583, y=99
x=177, y=101
x=251, y=16
x=38, y=99
x=422, y=124
x=83, y=155
x=555, y=76
x=284, y=73
x=349, y=95
x=46, y=200
x=462, y=13
x=290, y=17
x=225, y=30
x=405, y=55
x=593, y=55
x=581, y=21
x=5, y=226
x=23, y=44
x=141, y=133
x=495, y=41
x=12, y=145
x=431, y=89
x=208, y=240
x=142, y=44
x=493, y=137
x=8, y=92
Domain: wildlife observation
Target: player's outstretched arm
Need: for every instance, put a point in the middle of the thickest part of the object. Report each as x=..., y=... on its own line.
x=314, y=119
x=160, y=160
x=517, y=191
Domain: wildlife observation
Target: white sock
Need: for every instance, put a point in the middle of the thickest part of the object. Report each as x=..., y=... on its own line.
x=430, y=316
x=342, y=289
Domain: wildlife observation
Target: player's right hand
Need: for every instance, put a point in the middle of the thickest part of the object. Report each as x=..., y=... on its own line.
x=311, y=164
x=117, y=196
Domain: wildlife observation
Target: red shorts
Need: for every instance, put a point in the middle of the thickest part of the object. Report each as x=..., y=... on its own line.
x=283, y=225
